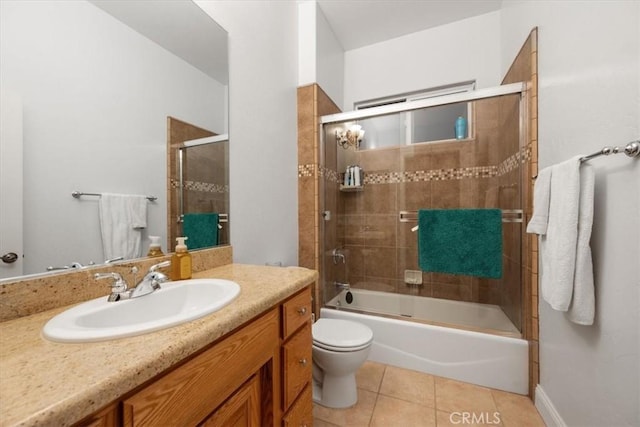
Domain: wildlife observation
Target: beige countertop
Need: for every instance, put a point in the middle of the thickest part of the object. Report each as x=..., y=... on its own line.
x=47, y=383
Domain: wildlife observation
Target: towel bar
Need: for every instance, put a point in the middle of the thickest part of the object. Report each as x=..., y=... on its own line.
x=78, y=194
x=223, y=217
x=632, y=149
x=508, y=215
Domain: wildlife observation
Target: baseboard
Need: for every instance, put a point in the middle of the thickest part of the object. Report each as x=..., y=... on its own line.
x=547, y=411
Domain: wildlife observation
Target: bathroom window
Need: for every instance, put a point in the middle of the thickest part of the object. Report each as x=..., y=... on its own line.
x=417, y=126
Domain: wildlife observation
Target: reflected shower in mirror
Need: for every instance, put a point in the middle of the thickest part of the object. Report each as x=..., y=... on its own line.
x=95, y=82
x=198, y=182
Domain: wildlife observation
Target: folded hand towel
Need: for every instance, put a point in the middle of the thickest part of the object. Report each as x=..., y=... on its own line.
x=122, y=216
x=461, y=241
x=563, y=216
x=201, y=229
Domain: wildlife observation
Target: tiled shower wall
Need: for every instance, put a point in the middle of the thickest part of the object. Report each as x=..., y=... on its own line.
x=312, y=104
x=476, y=173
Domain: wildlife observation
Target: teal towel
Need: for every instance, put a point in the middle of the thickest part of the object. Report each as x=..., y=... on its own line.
x=461, y=241
x=201, y=230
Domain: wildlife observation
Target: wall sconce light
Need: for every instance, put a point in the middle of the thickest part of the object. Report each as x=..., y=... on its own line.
x=350, y=137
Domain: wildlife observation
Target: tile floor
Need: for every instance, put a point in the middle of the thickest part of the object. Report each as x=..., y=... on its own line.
x=390, y=396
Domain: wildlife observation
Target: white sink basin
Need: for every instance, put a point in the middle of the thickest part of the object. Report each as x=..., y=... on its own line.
x=175, y=303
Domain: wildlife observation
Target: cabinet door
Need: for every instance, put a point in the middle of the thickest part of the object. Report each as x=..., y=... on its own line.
x=188, y=394
x=107, y=417
x=301, y=413
x=296, y=356
x=241, y=410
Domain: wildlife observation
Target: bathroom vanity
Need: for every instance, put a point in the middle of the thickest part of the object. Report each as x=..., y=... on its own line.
x=246, y=364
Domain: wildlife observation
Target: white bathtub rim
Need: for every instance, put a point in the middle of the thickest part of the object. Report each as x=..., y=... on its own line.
x=510, y=359
x=449, y=305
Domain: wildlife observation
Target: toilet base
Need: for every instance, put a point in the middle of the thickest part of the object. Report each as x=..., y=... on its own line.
x=336, y=392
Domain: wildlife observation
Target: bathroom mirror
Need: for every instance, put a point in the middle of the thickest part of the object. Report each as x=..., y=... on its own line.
x=95, y=83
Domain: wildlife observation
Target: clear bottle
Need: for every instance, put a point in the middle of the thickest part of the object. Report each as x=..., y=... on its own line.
x=155, y=249
x=181, y=261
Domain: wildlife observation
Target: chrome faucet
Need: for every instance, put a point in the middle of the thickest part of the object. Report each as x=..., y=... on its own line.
x=342, y=286
x=73, y=265
x=119, y=287
x=150, y=282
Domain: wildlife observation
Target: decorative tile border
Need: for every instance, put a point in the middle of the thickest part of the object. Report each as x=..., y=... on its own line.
x=476, y=172
x=204, y=187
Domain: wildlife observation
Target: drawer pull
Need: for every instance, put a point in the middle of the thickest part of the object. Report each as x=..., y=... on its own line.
x=303, y=362
x=302, y=311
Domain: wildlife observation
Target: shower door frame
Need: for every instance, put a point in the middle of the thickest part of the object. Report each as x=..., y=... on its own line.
x=479, y=94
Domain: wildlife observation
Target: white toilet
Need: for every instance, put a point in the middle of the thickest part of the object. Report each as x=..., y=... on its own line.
x=340, y=347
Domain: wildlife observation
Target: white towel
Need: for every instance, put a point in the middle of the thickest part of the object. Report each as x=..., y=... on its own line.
x=122, y=216
x=563, y=216
x=541, y=194
x=583, y=303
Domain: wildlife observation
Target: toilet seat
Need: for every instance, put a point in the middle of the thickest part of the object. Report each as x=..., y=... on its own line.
x=341, y=335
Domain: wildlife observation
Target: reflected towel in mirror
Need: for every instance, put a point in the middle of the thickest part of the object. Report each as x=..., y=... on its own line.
x=122, y=217
x=201, y=229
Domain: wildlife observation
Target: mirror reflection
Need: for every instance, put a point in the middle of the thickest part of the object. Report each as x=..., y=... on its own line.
x=90, y=88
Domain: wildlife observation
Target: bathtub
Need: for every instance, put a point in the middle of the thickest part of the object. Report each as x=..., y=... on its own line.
x=486, y=359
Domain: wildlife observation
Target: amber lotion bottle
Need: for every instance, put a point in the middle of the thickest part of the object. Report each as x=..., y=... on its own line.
x=181, y=261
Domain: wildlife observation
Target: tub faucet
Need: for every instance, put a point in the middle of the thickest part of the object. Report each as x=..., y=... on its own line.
x=150, y=282
x=343, y=286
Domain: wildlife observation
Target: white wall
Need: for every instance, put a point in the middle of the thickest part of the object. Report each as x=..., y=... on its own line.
x=95, y=120
x=330, y=59
x=320, y=54
x=453, y=53
x=307, y=36
x=263, y=78
x=589, y=97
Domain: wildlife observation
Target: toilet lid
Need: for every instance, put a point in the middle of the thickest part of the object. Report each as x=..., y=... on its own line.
x=341, y=335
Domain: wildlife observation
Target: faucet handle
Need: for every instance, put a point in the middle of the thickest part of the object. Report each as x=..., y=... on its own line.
x=118, y=285
x=162, y=264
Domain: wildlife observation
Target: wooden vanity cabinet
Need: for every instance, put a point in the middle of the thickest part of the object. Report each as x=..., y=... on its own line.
x=259, y=375
x=297, y=403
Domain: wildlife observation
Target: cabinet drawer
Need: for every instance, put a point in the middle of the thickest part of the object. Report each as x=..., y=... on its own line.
x=295, y=312
x=296, y=357
x=186, y=395
x=301, y=413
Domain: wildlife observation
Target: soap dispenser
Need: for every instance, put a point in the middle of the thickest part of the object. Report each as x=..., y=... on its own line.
x=181, y=261
x=155, y=249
